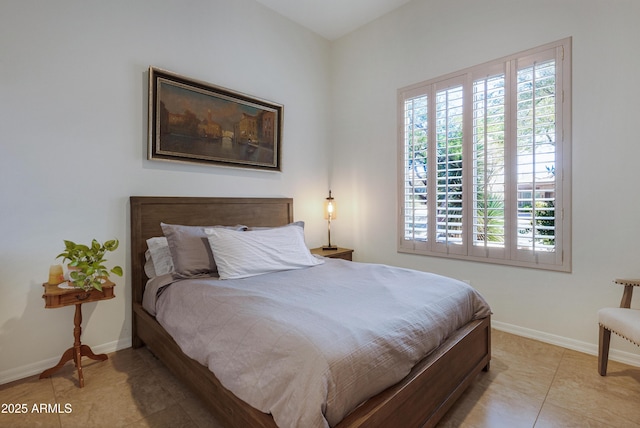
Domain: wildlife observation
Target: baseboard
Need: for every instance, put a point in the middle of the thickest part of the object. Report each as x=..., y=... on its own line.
x=37, y=368
x=575, y=345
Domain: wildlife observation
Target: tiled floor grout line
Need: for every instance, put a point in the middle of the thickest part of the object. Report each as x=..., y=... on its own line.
x=55, y=397
x=553, y=379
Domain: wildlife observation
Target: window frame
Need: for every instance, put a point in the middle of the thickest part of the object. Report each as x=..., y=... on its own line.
x=508, y=253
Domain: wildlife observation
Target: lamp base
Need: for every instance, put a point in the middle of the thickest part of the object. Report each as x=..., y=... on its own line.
x=329, y=247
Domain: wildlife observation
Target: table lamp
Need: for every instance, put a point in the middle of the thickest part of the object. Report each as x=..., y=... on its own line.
x=329, y=214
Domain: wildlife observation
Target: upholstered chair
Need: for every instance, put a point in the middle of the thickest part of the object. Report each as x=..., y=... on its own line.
x=623, y=321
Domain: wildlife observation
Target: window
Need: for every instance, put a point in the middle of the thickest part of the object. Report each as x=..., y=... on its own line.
x=485, y=162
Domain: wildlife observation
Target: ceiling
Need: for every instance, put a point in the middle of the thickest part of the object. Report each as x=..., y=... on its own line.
x=332, y=19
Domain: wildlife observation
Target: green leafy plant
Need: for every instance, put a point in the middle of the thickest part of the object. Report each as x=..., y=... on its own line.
x=86, y=263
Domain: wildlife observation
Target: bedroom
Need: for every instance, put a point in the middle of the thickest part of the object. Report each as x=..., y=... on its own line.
x=74, y=99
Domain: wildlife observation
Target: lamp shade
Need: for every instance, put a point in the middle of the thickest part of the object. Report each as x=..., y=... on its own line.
x=330, y=212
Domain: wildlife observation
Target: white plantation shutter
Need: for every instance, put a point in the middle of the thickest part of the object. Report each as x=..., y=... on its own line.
x=489, y=162
x=485, y=162
x=415, y=163
x=536, y=145
x=448, y=169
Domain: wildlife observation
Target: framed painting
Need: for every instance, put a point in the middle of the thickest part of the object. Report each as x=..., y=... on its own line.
x=194, y=121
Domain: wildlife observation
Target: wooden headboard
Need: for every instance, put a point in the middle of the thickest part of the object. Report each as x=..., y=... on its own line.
x=147, y=212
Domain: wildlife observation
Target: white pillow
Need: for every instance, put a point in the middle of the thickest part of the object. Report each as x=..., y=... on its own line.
x=160, y=256
x=148, y=265
x=243, y=254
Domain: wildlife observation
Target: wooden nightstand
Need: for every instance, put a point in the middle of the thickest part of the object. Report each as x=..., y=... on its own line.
x=56, y=297
x=339, y=253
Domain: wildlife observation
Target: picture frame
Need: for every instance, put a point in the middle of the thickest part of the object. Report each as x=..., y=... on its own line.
x=198, y=122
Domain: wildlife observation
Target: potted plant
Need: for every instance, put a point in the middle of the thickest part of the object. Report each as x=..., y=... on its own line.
x=86, y=263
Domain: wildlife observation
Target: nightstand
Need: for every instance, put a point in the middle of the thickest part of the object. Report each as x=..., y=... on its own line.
x=339, y=253
x=56, y=297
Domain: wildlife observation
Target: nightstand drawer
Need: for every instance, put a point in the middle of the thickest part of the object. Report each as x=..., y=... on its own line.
x=56, y=297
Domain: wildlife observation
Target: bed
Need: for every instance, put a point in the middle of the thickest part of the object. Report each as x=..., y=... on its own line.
x=420, y=399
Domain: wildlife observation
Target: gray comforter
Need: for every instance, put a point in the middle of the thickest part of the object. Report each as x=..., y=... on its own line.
x=309, y=345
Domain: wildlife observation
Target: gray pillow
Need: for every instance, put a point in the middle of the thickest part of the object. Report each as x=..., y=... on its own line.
x=190, y=249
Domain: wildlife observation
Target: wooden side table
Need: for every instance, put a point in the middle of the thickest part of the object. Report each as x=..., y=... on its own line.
x=56, y=297
x=339, y=253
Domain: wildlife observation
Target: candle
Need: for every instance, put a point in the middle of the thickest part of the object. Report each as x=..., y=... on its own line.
x=55, y=274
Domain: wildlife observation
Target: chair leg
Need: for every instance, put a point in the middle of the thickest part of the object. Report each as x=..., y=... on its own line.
x=603, y=350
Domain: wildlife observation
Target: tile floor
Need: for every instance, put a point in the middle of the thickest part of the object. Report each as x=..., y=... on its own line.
x=530, y=384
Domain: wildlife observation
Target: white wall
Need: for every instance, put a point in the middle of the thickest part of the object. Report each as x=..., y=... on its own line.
x=73, y=79
x=429, y=38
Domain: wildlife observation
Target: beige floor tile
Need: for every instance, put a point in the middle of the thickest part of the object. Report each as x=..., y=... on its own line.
x=171, y=417
x=200, y=414
x=611, y=399
x=488, y=403
x=552, y=416
x=521, y=375
x=29, y=403
x=525, y=350
x=178, y=390
x=121, y=390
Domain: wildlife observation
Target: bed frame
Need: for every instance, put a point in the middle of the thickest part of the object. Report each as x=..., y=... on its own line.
x=419, y=400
